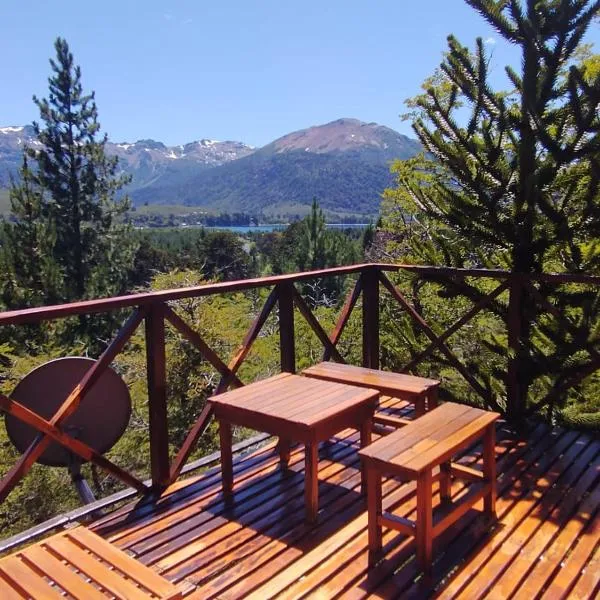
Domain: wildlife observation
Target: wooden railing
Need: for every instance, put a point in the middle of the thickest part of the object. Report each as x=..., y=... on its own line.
x=154, y=310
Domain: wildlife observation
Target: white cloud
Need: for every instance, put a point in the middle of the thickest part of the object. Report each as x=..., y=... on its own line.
x=489, y=41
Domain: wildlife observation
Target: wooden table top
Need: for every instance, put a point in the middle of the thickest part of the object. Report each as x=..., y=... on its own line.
x=431, y=439
x=292, y=399
x=381, y=380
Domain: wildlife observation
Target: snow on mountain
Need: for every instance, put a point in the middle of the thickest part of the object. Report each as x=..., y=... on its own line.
x=7, y=130
x=145, y=159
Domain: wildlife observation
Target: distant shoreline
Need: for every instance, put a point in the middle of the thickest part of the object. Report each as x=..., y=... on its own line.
x=268, y=228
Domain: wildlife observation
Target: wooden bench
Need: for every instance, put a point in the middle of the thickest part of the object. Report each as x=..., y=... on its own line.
x=422, y=392
x=412, y=453
x=82, y=565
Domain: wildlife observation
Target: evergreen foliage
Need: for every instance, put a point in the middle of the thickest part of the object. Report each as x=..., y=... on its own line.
x=313, y=254
x=31, y=274
x=514, y=184
x=63, y=206
x=223, y=256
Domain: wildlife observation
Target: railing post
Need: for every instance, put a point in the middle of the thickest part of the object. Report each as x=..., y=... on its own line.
x=370, y=317
x=286, y=327
x=157, y=396
x=513, y=324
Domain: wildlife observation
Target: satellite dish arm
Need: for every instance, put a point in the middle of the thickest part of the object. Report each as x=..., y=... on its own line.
x=81, y=485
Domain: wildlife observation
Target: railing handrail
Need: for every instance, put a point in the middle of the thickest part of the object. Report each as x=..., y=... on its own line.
x=58, y=311
x=98, y=305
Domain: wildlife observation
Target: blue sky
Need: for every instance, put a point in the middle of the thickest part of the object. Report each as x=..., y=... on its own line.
x=248, y=70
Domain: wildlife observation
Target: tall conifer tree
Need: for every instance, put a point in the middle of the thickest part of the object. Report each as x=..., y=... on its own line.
x=74, y=184
x=31, y=275
x=511, y=179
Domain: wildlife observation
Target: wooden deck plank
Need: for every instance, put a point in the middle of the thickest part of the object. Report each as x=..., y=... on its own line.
x=279, y=537
x=197, y=513
x=346, y=539
x=280, y=506
x=507, y=556
x=205, y=504
x=334, y=571
x=560, y=505
x=582, y=554
x=260, y=546
x=516, y=468
x=587, y=586
x=356, y=579
x=145, y=514
x=518, y=502
x=123, y=520
x=570, y=551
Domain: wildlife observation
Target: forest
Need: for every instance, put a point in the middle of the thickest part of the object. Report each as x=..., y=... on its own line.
x=510, y=180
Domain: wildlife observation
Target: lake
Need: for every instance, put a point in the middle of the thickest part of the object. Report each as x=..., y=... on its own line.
x=281, y=227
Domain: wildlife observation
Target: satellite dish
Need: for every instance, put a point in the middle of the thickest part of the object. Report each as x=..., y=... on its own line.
x=99, y=421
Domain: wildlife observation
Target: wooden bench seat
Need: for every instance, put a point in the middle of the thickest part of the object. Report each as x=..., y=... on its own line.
x=412, y=453
x=81, y=564
x=422, y=392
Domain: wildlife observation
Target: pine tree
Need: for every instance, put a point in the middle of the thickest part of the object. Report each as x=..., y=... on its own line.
x=314, y=250
x=511, y=179
x=31, y=275
x=72, y=186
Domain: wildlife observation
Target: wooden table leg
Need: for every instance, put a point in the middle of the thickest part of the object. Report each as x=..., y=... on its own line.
x=445, y=482
x=424, y=525
x=311, y=482
x=366, y=431
x=489, y=469
x=283, y=447
x=226, y=458
x=374, y=510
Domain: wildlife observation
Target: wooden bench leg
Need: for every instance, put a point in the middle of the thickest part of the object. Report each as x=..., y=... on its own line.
x=424, y=525
x=445, y=482
x=432, y=399
x=311, y=482
x=366, y=430
x=489, y=469
x=226, y=459
x=420, y=406
x=374, y=511
x=283, y=447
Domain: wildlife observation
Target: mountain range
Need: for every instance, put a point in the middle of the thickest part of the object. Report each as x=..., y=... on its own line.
x=345, y=164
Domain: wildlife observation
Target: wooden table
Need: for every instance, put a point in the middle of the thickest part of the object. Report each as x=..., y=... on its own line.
x=295, y=409
x=85, y=566
x=412, y=453
x=422, y=392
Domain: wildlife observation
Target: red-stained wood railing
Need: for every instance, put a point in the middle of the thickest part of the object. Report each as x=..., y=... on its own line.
x=154, y=310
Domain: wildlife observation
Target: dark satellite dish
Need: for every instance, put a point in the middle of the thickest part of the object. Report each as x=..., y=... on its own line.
x=99, y=421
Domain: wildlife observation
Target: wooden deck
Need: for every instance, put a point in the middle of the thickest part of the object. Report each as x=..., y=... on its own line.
x=545, y=544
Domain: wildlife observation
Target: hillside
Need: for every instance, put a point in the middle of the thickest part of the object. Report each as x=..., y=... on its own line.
x=146, y=160
x=344, y=163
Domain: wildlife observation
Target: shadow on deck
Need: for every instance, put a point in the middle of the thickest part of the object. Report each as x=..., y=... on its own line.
x=545, y=543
